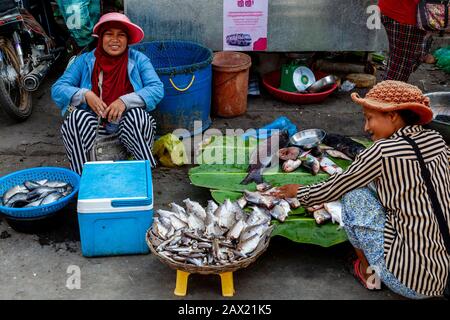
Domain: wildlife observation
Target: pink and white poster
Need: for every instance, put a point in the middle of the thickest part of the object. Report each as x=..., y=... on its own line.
x=245, y=25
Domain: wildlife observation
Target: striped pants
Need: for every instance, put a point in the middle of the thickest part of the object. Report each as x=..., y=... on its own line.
x=136, y=131
x=406, y=46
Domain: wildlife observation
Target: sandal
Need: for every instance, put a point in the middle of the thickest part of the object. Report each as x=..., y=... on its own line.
x=356, y=272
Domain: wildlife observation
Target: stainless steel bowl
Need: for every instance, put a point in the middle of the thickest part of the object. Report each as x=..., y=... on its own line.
x=308, y=139
x=322, y=85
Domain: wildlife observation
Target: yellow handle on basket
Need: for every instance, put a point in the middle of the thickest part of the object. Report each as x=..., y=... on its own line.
x=181, y=90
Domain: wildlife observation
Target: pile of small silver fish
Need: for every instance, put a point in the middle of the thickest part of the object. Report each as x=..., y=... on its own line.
x=327, y=211
x=211, y=236
x=35, y=193
x=313, y=160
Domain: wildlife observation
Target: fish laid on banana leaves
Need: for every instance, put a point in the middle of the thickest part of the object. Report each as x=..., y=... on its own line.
x=335, y=210
x=316, y=152
x=326, y=212
x=294, y=203
x=327, y=165
x=260, y=199
x=343, y=144
x=291, y=153
x=337, y=154
x=291, y=165
x=281, y=210
x=263, y=156
x=263, y=187
x=321, y=216
x=311, y=163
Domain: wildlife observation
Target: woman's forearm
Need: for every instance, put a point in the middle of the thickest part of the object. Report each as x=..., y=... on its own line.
x=79, y=97
x=132, y=100
x=366, y=168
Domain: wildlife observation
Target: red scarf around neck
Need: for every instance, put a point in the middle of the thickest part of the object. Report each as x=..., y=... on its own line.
x=115, y=77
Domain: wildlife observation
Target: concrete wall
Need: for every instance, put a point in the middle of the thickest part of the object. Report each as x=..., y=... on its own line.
x=294, y=25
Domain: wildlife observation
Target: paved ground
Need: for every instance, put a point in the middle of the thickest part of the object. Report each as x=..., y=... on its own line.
x=34, y=266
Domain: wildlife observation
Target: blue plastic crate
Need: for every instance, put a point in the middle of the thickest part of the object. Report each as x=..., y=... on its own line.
x=115, y=207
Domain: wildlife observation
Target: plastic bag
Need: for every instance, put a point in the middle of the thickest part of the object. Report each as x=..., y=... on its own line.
x=443, y=58
x=170, y=151
x=80, y=17
x=347, y=86
x=281, y=123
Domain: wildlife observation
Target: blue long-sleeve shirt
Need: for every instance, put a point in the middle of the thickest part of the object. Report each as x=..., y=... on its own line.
x=70, y=88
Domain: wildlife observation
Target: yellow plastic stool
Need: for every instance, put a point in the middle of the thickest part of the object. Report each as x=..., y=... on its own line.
x=226, y=279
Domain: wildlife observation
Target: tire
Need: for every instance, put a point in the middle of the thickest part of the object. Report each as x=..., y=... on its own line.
x=19, y=112
x=19, y=107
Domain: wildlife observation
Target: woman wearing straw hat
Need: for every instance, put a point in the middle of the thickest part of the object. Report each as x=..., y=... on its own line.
x=114, y=83
x=400, y=229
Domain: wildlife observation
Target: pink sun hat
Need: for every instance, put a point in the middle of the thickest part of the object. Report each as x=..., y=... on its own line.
x=135, y=33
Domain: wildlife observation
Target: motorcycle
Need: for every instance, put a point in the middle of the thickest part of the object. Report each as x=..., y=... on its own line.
x=26, y=54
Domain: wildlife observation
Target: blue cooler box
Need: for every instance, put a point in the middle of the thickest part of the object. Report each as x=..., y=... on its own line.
x=115, y=207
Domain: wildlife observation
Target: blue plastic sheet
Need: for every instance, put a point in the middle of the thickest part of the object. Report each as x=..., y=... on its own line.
x=281, y=123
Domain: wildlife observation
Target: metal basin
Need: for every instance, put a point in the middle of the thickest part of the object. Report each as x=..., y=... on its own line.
x=440, y=104
x=308, y=139
x=323, y=84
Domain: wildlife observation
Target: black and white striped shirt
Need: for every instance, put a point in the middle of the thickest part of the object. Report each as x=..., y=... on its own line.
x=413, y=246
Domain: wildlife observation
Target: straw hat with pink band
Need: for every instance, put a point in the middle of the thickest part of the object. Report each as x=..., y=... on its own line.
x=134, y=32
x=393, y=95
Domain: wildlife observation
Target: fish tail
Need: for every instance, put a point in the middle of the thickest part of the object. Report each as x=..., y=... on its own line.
x=253, y=176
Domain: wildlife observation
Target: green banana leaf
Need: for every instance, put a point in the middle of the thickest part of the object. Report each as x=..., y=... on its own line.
x=227, y=150
x=305, y=230
x=298, y=227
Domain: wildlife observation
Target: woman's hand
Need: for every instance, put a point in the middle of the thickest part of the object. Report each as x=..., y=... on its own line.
x=97, y=105
x=287, y=191
x=115, y=110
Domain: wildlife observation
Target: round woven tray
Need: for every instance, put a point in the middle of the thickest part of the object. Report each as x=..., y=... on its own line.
x=205, y=269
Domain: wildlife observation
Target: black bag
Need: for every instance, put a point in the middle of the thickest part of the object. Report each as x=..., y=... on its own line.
x=435, y=204
x=107, y=148
x=433, y=15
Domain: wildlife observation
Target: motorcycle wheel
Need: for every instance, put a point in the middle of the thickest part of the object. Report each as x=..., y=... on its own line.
x=14, y=100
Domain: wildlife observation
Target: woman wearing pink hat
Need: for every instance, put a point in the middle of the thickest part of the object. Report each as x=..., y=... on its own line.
x=114, y=83
x=400, y=227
